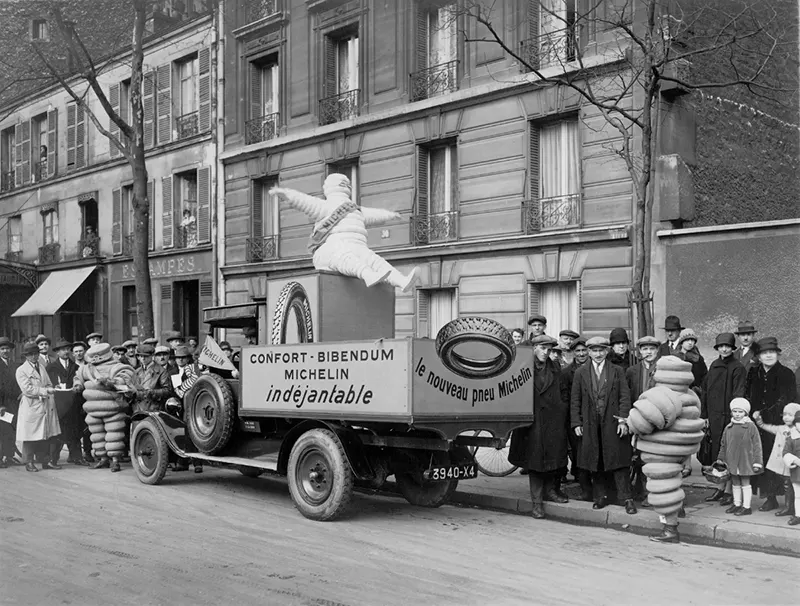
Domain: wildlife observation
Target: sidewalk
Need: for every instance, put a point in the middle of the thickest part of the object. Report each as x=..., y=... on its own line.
x=704, y=522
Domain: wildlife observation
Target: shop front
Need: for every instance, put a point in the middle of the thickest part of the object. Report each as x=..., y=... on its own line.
x=182, y=286
x=17, y=284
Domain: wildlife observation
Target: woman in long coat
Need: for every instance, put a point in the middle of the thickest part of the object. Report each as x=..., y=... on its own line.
x=37, y=422
x=770, y=387
x=541, y=448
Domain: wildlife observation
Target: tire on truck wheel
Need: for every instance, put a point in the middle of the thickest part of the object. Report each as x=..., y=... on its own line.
x=425, y=493
x=210, y=413
x=149, y=452
x=319, y=474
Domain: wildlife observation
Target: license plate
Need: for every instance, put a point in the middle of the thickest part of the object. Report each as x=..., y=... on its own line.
x=451, y=472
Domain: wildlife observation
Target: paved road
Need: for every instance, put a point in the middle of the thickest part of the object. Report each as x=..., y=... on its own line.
x=86, y=537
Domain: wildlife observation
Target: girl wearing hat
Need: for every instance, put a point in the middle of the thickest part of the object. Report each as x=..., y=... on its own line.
x=791, y=457
x=775, y=462
x=688, y=352
x=770, y=387
x=740, y=450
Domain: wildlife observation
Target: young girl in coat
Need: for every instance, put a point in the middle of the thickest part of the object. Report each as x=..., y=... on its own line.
x=775, y=462
x=740, y=450
x=791, y=456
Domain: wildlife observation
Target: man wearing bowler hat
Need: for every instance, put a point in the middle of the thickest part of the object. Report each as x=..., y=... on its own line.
x=747, y=353
x=770, y=387
x=62, y=374
x=724, y=381
x=673, y=328
x=9, y=401
x=600, y=403
x=538, y=324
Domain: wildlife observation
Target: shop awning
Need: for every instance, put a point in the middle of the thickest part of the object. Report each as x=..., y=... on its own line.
x=54, y=292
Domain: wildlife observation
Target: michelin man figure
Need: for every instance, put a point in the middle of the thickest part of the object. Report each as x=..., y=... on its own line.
x=339, y=239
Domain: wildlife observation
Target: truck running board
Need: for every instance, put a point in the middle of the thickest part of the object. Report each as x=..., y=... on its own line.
x=268, y=463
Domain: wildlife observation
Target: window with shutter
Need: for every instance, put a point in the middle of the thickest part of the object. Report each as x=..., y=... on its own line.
x=206, y=299
x=204, y=205
x=263, y=99
x=559, y=161
x=264, y=215
x=149, y=107
x=52, y=142
x=80, y=137
x=167, y=320
x=116, y=221
x=559, y=303
x=71, y=119
x=151, y=215
x=419, y=223
x=204, y=90
x=167, y=213
x=423, y=306
x=23, y=153
x=114, y=100
x=164, y=98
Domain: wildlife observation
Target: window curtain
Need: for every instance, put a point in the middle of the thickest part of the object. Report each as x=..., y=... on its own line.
x=347, y=60
x=560, y=159
x=558, y=302
x=442, y=36
x=269, y=86
x=442, y=309
x=270, y=209
x=15, y=234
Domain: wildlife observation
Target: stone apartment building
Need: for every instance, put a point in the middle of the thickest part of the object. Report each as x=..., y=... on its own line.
x=65, y=205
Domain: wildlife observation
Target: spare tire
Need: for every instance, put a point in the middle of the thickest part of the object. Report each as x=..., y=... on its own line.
x=209, y=413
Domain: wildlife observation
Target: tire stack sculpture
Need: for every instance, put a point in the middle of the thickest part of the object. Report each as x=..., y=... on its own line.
x=668, y=428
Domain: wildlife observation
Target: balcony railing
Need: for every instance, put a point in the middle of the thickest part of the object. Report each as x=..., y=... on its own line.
x=39, y=172
x=434, y=228
x=7, y=181
x=258, y=9
x=185, y=237
x=89, y=247
x=339, y=107
x=260, y=129
x=551, y=213
x=435, y=80
x=127, y=245
x=262, y=249
x=186, y=125
x=14, y=255
x=552, y=48
x=49, y=253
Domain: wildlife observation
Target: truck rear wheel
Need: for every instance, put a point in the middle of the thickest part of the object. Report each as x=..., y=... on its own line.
x=425, y=493
x=149, y=452
x=210, y=413
x=320, y=478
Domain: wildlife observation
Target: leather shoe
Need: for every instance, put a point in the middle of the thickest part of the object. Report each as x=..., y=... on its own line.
x=726, y=500
x=630, y=507
x=715, y=496
x=733, y=509
x=552, y=495
x=31, y=467
x=668, y=535
x=600, y=503
x=537, y=512
x=786, y=511
x=794, y=521
x=770, y=504
x=743, y=511
x=50, y=465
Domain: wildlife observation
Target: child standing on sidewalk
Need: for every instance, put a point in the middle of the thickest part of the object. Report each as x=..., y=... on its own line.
x=775, y=462
x=740, y=450
x=791, y=456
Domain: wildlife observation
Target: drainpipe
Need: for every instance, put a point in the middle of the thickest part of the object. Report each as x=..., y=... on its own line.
x=218, y=227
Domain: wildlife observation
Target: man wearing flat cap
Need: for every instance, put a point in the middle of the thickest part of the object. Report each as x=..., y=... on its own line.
x=9, y=401
x=130, y=353
x=565, y=340
x=537, y=324
x=600, y=403
x=93, y=338
x=747, y=353
x=541, y=448
x=62, y=374
x=154, y=385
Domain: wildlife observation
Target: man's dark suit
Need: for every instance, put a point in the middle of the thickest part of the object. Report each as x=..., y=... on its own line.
x=69, y=409
x=9, y=399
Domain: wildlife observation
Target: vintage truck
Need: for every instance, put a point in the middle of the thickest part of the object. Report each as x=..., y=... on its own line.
x=346, y=404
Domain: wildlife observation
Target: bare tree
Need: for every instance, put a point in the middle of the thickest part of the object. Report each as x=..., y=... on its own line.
x=649, y=46
x=75, y=60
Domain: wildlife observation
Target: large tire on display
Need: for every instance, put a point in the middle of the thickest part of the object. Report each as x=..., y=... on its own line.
x=426, y=493
x=292, y=298
x=477, y=330
x=149, y=452
x=320, y=477
x=210, y=413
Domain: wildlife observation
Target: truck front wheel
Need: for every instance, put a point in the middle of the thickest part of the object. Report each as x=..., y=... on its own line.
x=320, y=478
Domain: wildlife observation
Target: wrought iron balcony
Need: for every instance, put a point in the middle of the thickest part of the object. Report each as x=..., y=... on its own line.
x=258, y=9
x=7, y=181
x=339, y=107
x=551, y=213
x=260, y=129
x=435, y=80
x=14, y=255
x=434, y=228
x=89, y=247
x=39, y=172
x=553, y=48
x=185, y=236
x=262, y=249
x=186, y=125
x=49, y=253
x=127, y=245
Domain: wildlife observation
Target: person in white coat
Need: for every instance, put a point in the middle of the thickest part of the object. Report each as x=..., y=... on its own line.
x=37, y=423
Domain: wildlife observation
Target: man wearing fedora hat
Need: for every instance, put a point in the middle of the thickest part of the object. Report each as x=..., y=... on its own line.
x=725, y=381
x=62, y=376
x=45, y=357
x=770, y=386
x=673, y=328
x=747, y=352
x=9, y=400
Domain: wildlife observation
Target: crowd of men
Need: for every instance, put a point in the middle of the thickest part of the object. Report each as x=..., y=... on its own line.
x=584, y=389
x=43, y=383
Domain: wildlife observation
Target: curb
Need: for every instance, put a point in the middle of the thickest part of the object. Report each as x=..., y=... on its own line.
x=694, y=529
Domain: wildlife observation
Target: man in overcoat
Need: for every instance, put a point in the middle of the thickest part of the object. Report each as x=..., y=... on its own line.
x=38, y=428
x=541, y=448
x=620, y=353
x=673, y=328
x=9, y=399
x=724, y=381
x=580, y=355
x=770, y=387
x=70, y=414
x=747, y=353
x=600, y=404
x=45, y=357
x=154, y=383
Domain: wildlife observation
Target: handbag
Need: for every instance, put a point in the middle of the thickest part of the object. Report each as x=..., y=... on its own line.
x=704, y=455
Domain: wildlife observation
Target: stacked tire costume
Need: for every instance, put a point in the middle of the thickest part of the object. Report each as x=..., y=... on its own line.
x=105, y=408
x=668, y=428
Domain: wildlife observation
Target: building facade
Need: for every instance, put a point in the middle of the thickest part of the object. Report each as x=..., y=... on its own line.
x=66, y=213
x=512, y=201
